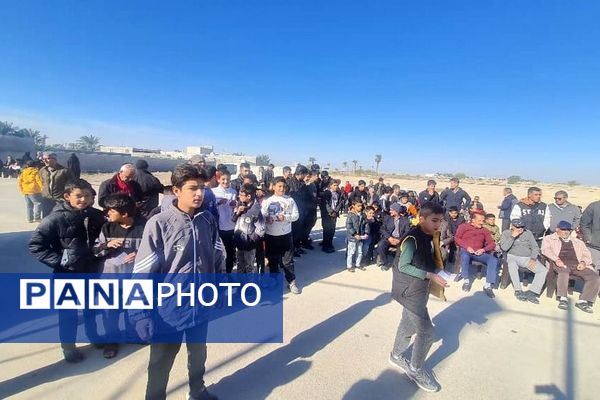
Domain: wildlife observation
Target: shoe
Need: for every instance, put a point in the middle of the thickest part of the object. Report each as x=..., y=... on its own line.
x=520, y=295
x=308, y=246
x=328, y=250
x=361, y=268
x=205, y=395
x=111, y=350
x=400, y=362
x=424, y=380
x=351, y=269
x=301, y=251
x=489, y=292
x=466, y=287
x=532, y=297
x=294, y=288
x=72, y=355
x=585, y=307
x=563, y=304
x=297, y=254
x=457, y=278
x=321, y=243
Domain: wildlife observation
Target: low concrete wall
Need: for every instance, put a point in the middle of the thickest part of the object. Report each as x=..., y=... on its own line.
x=111, y=162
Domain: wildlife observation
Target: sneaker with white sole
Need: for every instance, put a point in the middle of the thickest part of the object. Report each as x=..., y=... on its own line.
x=424, y=380
x=294, y=288
x=399, y=362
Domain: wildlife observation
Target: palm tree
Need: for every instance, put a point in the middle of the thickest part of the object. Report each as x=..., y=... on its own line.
x=345, y=166
x=89, y=143
x=311, y=160
x=355, y=162
x=263, y=159
x=378, y=159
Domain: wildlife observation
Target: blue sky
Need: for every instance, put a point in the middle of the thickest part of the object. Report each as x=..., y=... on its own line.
x=483, y=87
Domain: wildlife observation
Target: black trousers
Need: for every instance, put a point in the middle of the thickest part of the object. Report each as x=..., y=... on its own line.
x=311, y=220
x=298, y=230
x=260, y=256
x=68, y=320
x=228, y=242
x=47, y=206
x=162, y=356
x=280, y=253
x=328, y=230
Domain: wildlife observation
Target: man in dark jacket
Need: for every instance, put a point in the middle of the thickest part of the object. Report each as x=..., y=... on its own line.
x=532, y=212
x=64, y=241
x=268, y=176
x=455, y=196
x=506, y=208
x=429, y=194
x=331, y=206
x=590, y=229
x=121, y=182
x=54, y=179
x=393, y=228
x=244, y=172
x=150, y=186
x=303, y=198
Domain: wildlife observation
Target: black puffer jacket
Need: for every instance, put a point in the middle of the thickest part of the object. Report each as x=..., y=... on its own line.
x=64, y=240
x=151, y=188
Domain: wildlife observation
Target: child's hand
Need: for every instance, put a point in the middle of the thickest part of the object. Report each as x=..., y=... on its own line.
x=115, y=243
x=145, y=329
x=130, y=257
x=365, y=237
x=222, y=201
x=280, y=217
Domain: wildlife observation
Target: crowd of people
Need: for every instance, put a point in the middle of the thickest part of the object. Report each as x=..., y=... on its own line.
x=258, y=224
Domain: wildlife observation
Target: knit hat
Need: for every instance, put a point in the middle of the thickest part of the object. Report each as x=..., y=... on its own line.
x=141, y=164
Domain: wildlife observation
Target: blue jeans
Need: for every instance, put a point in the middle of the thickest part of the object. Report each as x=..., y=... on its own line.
x=354, y=248
x=486, y=258
x=34, y=206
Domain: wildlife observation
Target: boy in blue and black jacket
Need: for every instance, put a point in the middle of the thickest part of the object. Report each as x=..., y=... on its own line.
x=357, y=231
x=64, y=241
x=249, y=229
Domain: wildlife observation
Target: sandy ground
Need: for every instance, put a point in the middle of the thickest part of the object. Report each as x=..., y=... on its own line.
x=337, y=337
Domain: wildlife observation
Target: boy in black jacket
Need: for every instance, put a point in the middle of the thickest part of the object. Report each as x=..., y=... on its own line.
x=357, y=231
x=331, y=205
x=413, y=274
x=117, y=247
x=249, y=229
x=393, y=228
x=63, y=241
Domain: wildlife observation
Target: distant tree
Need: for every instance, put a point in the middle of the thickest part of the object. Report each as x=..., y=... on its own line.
x=573, y=183
x=263, y=160
x=89, y=143
x=378, y=159
x=311, y=160
x=355, y=162
x=460, y=175
x=513, y=179
x=345, y=166
x=7, y=128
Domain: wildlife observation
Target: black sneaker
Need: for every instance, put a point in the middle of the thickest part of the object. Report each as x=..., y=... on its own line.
x=205, y=395
x=329, y=250
x=351, y=269
x=297, y=254
x=489, y=292
x=520, y=295
x=458, y=277
x=72, y=355
x=466, y=287
x=308, y=246
x=532, y=297
x=424, y=380
x=400, y=362
x=585, y=307
x=362, y=268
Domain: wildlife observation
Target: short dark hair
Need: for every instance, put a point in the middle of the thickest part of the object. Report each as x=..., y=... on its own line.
x=431, y=182
x=370, y=208
x=244, y=165
x=361, y=182
x=489, y=215
x=271, y=166
x=186, y=172
x=430, y=208
x=279, y=179
x=211, y=171
x=80, y=184
x=356, y=201
x=120, y=202
x=301, y=170
x=226, y=172
x=455, y=180
x=533, y=189
x=452, y=208
x=287, y=169
x=249, y=189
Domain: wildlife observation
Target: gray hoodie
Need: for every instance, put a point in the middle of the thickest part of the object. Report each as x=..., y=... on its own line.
x=523, y=245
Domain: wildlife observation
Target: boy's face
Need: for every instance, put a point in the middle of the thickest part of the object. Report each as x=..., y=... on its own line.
x=453, y=214
x=358, y=207
x=245, y=198
x=279, y=188
x=334, y=187
x=370, y=214
x=361, y=187
x=115, y=216
x=190, y=195
x=225, y=181
x=80, y=199
x=490, y=221
x=431, y=223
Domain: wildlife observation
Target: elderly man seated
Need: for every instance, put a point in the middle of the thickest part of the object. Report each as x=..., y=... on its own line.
x=571, y=257
x=476, y=244
x=522, y=251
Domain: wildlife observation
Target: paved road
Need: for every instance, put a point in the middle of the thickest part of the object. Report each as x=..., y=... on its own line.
x=338, y=334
